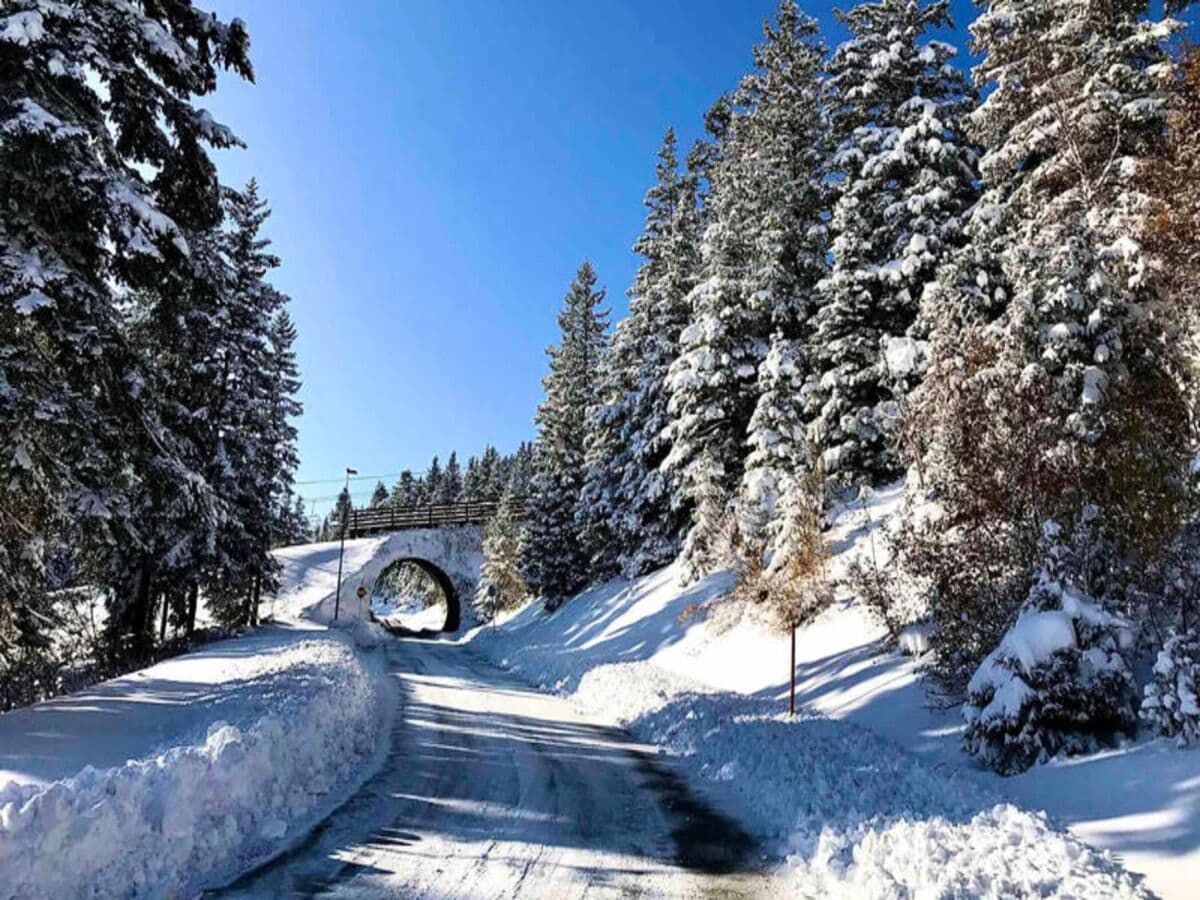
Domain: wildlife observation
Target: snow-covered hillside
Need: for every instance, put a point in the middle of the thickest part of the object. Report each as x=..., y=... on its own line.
x=868, y=783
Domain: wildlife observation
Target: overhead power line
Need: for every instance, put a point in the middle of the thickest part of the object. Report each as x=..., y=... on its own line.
x=340, y=479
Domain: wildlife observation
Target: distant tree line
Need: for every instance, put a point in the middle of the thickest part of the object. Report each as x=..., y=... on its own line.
x=487, y=477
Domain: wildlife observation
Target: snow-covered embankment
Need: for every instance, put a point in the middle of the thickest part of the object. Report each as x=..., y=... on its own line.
x=258, y=739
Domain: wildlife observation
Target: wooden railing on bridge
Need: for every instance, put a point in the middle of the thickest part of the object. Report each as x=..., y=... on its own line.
x=399, y=518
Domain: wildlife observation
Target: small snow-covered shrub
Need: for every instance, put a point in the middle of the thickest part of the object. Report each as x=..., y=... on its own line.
x=1057, y=683
x=883, y=582
x=1169, y=705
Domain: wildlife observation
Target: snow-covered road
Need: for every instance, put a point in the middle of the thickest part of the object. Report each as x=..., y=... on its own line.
x=494, y=789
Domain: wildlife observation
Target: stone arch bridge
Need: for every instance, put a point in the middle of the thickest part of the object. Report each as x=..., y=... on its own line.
x=444, y=540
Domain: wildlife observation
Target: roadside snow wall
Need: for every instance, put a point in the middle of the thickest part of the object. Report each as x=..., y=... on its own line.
x=195, y=816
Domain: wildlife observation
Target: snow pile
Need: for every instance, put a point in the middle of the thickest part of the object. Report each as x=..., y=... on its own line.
x=365, y=634
x=998, y=853
x=198, y=814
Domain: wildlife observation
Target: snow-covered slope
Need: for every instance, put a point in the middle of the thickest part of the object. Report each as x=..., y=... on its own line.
x=867, y=744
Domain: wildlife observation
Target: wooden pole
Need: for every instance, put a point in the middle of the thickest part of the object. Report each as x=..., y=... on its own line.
x=792, y=700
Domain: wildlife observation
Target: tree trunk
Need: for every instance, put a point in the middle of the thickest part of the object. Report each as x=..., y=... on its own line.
x=162, y=628
x=192, y=601
x=257, y=596
x=141, y=619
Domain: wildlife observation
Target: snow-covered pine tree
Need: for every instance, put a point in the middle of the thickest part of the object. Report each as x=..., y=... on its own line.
x=607, y=453
x=655, y=514
x=283, y=386
x=379, y=496
x=405, y=492
x=102, y=168
x=472, y=481
x=178, y=329
x=295, y=527
x=519, y=471
x=502, y=558
x=339, y=514
x=450, y=488
x=627, y=507
x=777, y=441
x=757, y=254
x=1060, y=390
x=493, y=474
x=905, y=179
x=254, y=453
x=553, y=556
x=431, y=483
x=1058, y=681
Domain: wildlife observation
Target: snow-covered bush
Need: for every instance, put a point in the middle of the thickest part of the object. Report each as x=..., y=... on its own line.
x=877, y=574
x=1058, y=682
x=1169, y=704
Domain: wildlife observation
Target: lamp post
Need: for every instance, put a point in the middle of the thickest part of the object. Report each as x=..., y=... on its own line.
x=337, y=601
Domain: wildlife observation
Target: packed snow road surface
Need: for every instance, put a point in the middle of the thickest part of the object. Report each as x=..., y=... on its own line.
x=493, y=789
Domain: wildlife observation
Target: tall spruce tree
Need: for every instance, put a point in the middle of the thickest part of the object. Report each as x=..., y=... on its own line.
x=431, y=482
x=493, y=474
x=501, y=571
x=104, y=171
x=757, y=255
x=254, y=453
x=553, y=555
x=906, y=178
x=283, y=386
x=628, y=505
x=472, y=489
x=379, y=496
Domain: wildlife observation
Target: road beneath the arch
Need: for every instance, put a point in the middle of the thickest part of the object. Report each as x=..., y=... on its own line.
x=492, y=789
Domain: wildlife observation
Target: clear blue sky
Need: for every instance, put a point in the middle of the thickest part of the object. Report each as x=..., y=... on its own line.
x=438, y=170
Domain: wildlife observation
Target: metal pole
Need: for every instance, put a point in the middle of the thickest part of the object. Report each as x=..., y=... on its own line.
x=337, y=601
x=792, y=700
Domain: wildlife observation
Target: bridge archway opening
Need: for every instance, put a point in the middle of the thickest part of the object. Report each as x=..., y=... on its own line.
x=412, y=595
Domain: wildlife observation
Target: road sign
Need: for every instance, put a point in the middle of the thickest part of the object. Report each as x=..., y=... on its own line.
x=362, y=592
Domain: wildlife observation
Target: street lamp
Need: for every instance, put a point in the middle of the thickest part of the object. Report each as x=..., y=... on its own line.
x=337, y=602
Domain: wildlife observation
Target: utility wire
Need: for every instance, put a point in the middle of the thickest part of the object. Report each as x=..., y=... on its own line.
x=342, y=478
